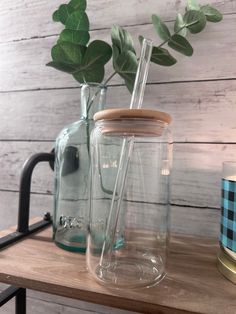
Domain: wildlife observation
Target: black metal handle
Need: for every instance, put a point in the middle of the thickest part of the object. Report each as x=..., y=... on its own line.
x=23, y=228
x=25, y=187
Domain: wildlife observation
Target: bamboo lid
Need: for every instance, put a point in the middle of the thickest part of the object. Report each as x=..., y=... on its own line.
x=117, y=114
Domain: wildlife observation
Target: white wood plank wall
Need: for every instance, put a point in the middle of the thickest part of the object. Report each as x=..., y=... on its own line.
x=37, y=101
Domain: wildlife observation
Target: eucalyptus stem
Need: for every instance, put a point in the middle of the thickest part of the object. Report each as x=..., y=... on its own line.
x=89, y=105
x=110, y=77
x=175, y=33
x=92, y=100
x=105, y=83
x=86, y=59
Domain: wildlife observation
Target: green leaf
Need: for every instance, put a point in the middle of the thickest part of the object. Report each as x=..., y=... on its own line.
x=92, y=74
x=160, y=27
x=122, y=39
x=78, y=4
x=129, y=79
x=195, y=21
x=74, y=37
x=92, y=69
x=78, y=21
x=98, y=52
x=64, y=67
x=212, y=15
x=162, y=56
x=180, y=44
x=192, y=5
x=68, y=53
x=125, y=64
x=64, y=12
x=115, y=54
x=55, y=16
x=180, y=25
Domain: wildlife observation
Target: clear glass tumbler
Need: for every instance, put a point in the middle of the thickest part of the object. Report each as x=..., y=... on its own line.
x=129, y=197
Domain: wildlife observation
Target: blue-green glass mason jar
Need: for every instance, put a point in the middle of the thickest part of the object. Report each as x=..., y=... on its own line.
x=71, y=182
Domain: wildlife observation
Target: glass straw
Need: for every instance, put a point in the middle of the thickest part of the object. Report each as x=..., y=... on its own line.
x=142, y=74
x=136, y=102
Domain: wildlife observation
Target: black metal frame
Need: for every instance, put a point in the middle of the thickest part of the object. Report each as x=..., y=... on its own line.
x=23, y=227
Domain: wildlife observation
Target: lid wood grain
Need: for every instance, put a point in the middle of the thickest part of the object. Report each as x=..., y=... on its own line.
x=116, y=114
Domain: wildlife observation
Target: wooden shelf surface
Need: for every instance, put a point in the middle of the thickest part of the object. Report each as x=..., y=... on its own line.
x=193, y=283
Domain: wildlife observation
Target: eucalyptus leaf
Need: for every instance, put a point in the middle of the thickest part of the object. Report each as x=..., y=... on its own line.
x=64, y=67
x=212, y=14
x=92, y=69
x=126, y=63
x=180, y=25
x=180, y=44
x=192, y=5
x=160, y=27
x=64, y=12
x=122, y=39
x=162, y=56
x=126, y=66
x=68, y=53
x=78, y=21
x=87, y=64
x=127, y=76
x=129, y=79
x=55, y=16
x=115, y=54
x=98, y=52
x=195, y=21
x=78, y=4
x=91, y=74
x=74, y=37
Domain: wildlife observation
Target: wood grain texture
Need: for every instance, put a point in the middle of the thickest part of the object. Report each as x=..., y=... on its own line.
x=36, y=306
x=196, y=169
x=23, y=63
x=197, y=173
x=39, y=204
x=103, y=14
x=202, y=112
x=196, y=288
x=12, y=157
x=183, y=220
x=68, y=303
x=195, y=221
x=42, y=303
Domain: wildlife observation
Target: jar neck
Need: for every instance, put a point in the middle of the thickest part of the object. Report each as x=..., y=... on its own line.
x=93, y=99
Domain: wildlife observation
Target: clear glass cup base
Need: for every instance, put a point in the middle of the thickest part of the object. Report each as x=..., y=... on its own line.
x=124, y=273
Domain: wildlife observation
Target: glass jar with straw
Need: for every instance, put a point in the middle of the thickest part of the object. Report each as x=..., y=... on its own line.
x=130, y=172
x=131, y=157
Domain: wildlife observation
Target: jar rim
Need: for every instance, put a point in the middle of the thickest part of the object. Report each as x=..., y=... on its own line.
x=93, y=84
x=129, y=114
x=131, y=127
